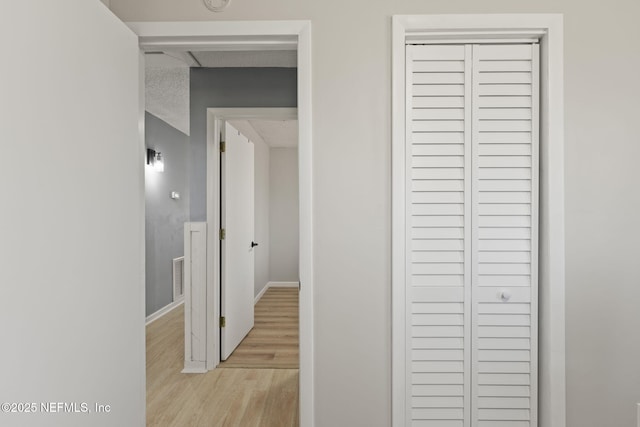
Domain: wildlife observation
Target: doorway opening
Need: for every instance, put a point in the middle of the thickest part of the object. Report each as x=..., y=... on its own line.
x=233, y=37
x=273, y=132
x=265, y=149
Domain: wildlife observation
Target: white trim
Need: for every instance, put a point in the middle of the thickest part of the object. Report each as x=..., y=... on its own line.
x=549, y=28
x=275, y=285
x=195, y=284
x=142, y=154
x=175, y=262
x=213, y=261
x=535, y=228
x=421, y=41
x=471, y=36
x=264, y=289
x=194, y=368
x=306, y=191
x=219, y=35
x=398, y=292
x=164, y=310
x=283, y=284
x=263, y=35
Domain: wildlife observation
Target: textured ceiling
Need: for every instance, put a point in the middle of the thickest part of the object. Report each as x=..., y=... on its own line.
x=167, y=90
x=277, y=133
x=167, y=87
x=271, y=58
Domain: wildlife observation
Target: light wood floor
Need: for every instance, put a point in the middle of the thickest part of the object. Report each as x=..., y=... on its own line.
x=273, y=341
x=240, y=397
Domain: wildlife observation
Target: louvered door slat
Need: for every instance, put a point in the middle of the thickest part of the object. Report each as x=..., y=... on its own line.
x=439, y=85
x=504, y=236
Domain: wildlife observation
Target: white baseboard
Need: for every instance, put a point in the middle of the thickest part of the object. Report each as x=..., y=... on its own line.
x=264, y=289
x=275, y=285
x=283, y=284
x=194, y=368
x=164, y=310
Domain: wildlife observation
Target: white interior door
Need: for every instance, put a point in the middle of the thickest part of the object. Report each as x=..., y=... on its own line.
x=237, y=287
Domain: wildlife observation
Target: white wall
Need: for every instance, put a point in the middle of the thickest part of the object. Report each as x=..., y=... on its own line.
x=261, y=155
x=71, y=223
x=283, y=217
x=276, y=210
x=352, y=220
x=262, y=214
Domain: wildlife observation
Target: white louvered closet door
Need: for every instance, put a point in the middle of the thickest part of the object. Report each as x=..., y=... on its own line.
x=472, y=235
x=504, y=228
x=439, y=234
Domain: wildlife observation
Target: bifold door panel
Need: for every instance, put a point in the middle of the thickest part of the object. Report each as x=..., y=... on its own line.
x=439, y=233
x=472, y=167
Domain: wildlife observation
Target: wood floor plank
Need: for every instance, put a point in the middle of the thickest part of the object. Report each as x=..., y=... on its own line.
x=273, y=342
x=233, y=397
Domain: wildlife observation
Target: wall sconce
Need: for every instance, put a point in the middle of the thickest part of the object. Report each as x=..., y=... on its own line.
x=155, y=160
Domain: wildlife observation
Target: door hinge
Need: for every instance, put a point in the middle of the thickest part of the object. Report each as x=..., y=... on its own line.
x=223, y=234
x=223, y=322
x=223, y=146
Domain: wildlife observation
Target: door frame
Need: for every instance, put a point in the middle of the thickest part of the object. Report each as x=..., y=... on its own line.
x=259, y=35
x=549, y=29
x=215, y=117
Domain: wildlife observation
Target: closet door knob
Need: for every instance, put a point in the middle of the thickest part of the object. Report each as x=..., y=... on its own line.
x=505, y=295
x=254, y=244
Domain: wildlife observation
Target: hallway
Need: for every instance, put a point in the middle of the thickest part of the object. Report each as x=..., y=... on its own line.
x=264, y=395
x=273, y=341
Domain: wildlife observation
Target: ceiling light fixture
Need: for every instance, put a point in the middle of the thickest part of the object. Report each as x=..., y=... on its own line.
x=216, y=5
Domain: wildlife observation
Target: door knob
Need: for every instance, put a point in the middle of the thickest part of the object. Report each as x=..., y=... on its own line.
x=505, y=295
x=254, y=244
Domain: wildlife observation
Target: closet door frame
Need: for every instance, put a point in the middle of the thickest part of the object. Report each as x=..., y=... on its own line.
x=548, y=29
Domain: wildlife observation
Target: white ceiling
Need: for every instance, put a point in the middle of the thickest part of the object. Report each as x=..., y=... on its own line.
x=164, y=60
x=274, y=133
x=277, y=133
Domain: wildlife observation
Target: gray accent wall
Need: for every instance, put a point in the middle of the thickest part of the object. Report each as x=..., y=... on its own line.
x=164, y=216
x=283, y=215
x=227, y=88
